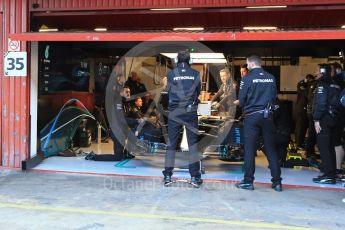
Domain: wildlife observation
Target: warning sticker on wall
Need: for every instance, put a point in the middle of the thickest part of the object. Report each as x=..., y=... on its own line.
x=13, y=45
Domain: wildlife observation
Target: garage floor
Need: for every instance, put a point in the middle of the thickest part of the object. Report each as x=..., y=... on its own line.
x=152, y=165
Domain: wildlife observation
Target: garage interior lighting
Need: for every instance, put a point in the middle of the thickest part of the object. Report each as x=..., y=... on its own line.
x=264, y=7
x=260, y=28
x=197, y=55
x=189, y=28
x=209, y=60
x=100, y=29
x=48, y=30
x=201, y=57
x=161, y=9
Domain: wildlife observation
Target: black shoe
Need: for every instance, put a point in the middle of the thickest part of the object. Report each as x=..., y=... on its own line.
x=196, y=181
x=324, y=180
x=245, y=185
x=339, y=173
x=167, y=181
x=90, y=156
x=277, y=186
x=129, y=156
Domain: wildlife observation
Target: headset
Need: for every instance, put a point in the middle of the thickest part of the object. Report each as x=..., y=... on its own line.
x=324, y=69
x=183, y=54
x=176, y=60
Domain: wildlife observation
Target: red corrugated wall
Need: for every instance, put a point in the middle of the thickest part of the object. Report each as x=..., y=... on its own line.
x=58, y=5
x=14, y=100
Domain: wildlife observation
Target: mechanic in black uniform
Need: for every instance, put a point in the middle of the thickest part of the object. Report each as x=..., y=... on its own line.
x=301, y=110
x=338, y=82
x=183, y=90
x=325, y=112
x=138, y=89
x=311, y=138
x=258, y=93
x=116, y=102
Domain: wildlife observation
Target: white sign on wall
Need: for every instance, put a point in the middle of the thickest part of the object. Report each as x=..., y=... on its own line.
x=13, y=45
x=15, y=64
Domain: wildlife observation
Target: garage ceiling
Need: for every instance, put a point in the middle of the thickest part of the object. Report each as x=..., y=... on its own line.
x=297, y=17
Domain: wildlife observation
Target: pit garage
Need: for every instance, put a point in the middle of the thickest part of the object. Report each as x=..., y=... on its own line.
x=71, y=66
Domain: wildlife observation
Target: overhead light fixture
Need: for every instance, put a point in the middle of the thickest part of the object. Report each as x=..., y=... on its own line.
x=48, y=30
x=167, y=9
x=264, y=7
x=189, y=28
x=209, y=60
x=100, y=29
x=343, y=27
x=215, y=58
x=260, y=28
x=198, y=55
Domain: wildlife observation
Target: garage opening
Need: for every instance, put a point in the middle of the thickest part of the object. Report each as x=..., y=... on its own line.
x=62, y=71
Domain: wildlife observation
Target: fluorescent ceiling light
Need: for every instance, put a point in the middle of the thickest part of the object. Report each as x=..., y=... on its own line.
x=164, y=9
x=100, y=29
x=48, y=30
x=343, y=27
x=189, y=28
x=264, y=7
x=198, y=55
x=209, y=60
x=260, y=28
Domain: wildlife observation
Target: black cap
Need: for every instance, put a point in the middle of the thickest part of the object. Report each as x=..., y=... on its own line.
x=183, y=56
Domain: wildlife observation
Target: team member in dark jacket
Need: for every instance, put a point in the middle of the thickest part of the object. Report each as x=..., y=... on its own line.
x=117, y=110
x=226, y=94
x=183, y=91
x=326, y=103
x=338, y=83
x=311, y=138
x=258, y=92
x=137, y=88
x=301, y=110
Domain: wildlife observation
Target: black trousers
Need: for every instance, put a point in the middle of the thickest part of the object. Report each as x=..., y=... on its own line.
x=176, y=120
x=255, y=124
x=326, y=146
x=119, y=151
x=301, y=128
x=311, y=140
x=282, y=141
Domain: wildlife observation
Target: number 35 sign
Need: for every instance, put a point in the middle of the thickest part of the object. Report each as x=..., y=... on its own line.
x=15, y=64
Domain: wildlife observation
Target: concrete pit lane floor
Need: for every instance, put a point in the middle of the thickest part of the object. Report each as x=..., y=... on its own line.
x=46, y=200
